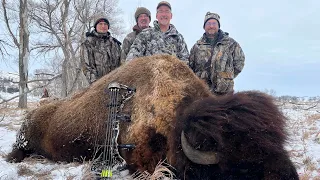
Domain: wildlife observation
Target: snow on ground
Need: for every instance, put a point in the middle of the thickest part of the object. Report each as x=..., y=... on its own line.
x=30, y=168
x=303, y=125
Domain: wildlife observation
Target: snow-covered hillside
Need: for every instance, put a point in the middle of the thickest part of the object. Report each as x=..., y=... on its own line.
x=7, y=82
x=9, y=75
x=303, y=126
x=9, y=86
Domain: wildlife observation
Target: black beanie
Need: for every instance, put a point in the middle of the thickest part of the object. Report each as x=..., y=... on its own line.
x=101, y=17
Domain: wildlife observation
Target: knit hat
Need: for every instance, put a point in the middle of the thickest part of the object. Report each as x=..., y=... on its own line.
x=164, y=3
x=101, y=17
x=142, y=10
x=210, y=15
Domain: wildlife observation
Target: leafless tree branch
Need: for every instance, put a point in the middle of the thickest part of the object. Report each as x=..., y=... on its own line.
x=3, y=49
x=6, y=19
x=41, y=86
x=35, y=80
x=2, y=118
x=43, y=48
x=308, y=108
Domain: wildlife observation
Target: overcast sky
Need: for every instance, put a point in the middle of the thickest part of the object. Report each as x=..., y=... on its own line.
x=279, y=38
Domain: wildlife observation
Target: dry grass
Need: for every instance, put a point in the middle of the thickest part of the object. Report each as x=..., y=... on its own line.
x=43, y=175
x=313, y=129
x=162, y=171
x=306, y=176
x=309, y=164
x=71, y=177
x=9, y=111
x=313, y=118
x=23, y=170
x=306, y=135
x=87, y=173
x=309, y=176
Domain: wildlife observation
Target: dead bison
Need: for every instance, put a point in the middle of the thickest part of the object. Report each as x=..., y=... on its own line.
x=174, y=117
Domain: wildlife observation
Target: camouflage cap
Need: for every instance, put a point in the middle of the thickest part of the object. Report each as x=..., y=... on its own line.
x=100, y=16
x=164, y=3
x=142, y=10
x=210, y=15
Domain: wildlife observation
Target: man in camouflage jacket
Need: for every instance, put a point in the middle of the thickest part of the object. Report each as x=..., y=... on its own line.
x=143, y=18
x=163, y=38
x=100, y=53
x=216, y=58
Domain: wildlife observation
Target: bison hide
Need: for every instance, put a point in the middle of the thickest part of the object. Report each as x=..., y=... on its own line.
x=235, y=136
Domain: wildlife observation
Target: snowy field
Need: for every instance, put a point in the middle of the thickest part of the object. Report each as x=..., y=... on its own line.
x=30, y=168
x=303, y=145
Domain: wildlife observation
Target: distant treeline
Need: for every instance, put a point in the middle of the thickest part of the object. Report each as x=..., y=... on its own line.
x=298, y=99
x=6, y=85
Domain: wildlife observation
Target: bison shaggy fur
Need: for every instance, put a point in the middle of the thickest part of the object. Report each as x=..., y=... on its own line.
x=245, y=129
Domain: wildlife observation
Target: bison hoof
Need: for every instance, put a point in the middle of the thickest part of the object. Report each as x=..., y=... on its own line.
x=16, y=156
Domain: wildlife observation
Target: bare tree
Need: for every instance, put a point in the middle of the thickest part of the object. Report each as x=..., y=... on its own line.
x=64, y=23
x=3, y=49
x=271, y=92
x=22, y=43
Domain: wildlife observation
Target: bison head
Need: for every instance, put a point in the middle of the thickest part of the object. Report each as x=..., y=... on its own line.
x=235, y=136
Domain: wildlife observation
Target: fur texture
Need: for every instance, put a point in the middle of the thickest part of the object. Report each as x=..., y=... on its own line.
x=65, y=130
x=246, y=129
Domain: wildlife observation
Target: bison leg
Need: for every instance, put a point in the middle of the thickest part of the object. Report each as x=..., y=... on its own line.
x=19, y=148
x=150, y=149
x=17, y=155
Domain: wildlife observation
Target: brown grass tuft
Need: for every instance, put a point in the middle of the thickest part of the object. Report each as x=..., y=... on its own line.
x=24, y=170
x=311, y=119
x=162, y=171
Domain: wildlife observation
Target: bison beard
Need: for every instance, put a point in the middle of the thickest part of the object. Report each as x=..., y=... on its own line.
x=244, y=131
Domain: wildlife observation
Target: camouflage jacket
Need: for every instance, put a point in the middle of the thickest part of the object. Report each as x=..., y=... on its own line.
x=128, y=40
x=218, y=65
x=100, y=54
x=152, y=41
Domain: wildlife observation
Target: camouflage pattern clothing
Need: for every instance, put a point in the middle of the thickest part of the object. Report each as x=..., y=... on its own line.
x=217, y=61
x=128, y=41
x=152, y=41
x=100, y=54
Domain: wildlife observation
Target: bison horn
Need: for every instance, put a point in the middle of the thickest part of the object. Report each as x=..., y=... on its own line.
x=196, y=156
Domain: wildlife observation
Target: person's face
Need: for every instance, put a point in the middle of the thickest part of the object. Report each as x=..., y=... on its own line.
x=102, y=27
x=211, y=27
x=164, y=15
x=143, y=21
